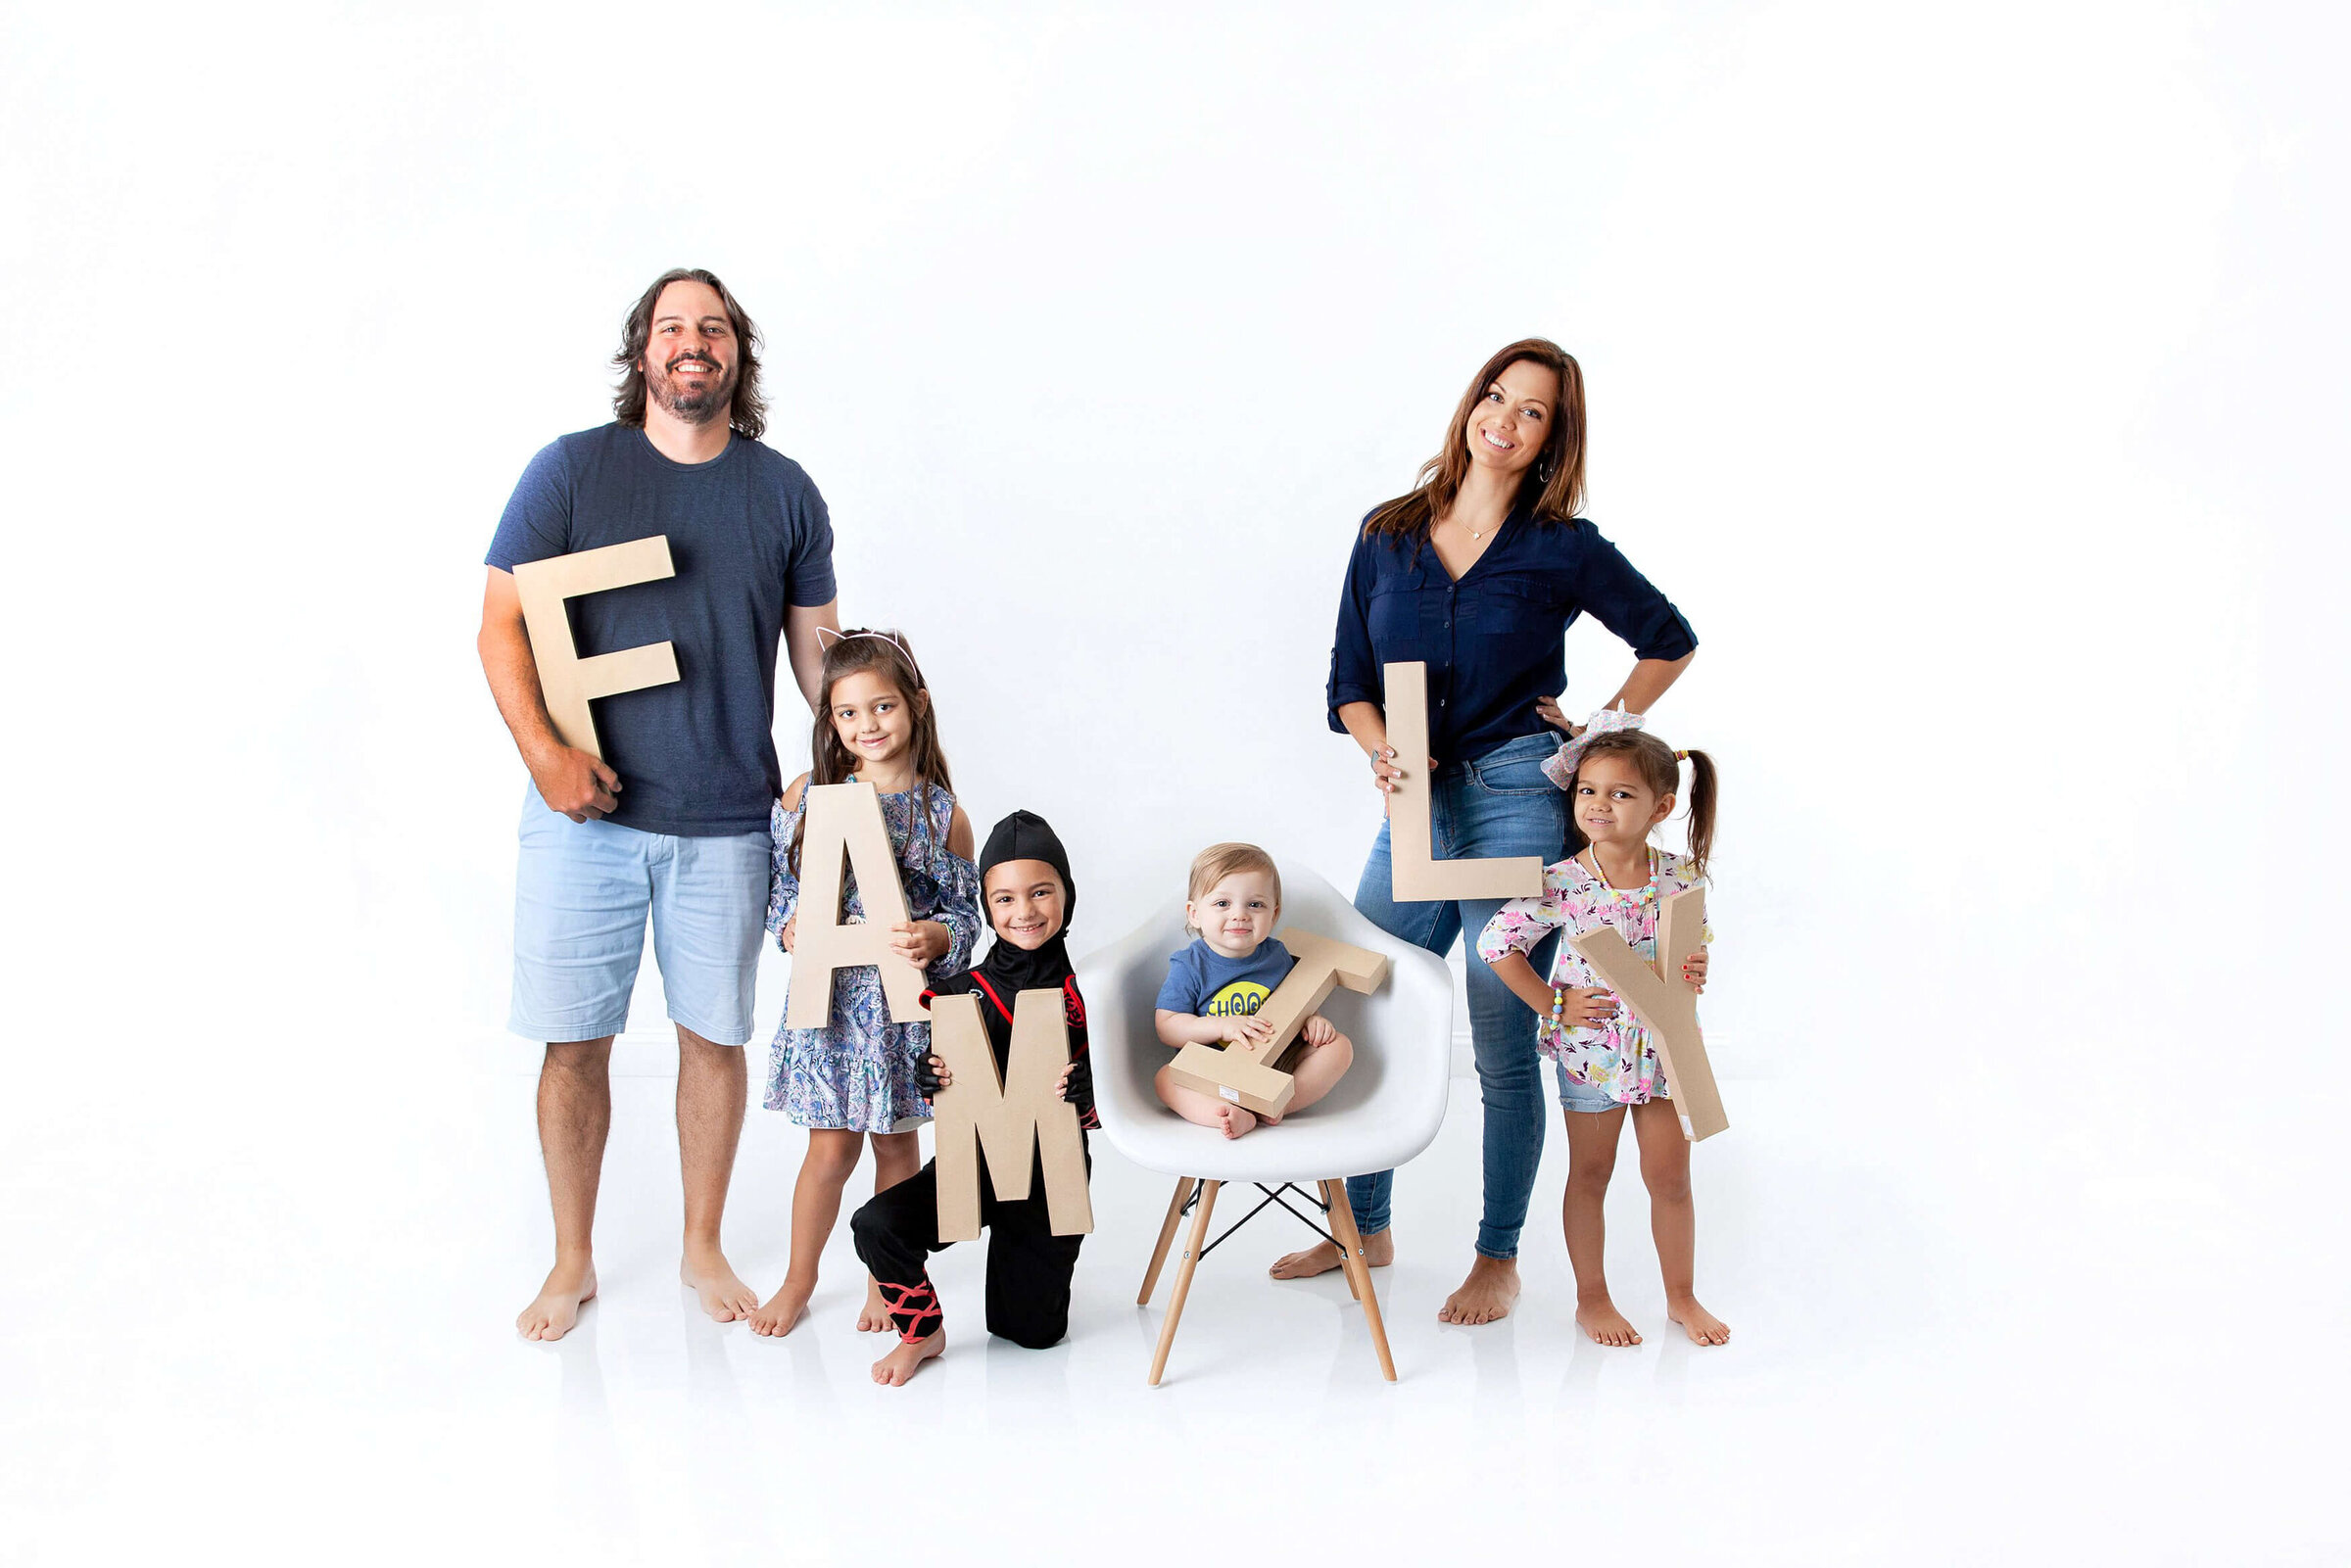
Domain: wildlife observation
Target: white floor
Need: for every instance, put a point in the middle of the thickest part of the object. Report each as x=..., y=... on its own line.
x=273, y=1324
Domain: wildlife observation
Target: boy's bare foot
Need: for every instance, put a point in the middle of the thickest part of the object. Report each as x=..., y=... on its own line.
x=1235, y=1120
x=779, y=1311
x=557, y=1308
x=1600, y=1319
x=724, y=1297
x=1486, y=1296
x=1703, y=1326
x=1379, y=1251
x=898, y=1365
x=874, y=1316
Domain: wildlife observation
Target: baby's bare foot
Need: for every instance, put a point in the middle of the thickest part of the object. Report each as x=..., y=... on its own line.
x=1379, y=1251
x=1703, y=1326
x=1486, y=1296
x=898, y=1365
x=557, y=1308
x=1235, y=1120
x=782, y=1310
x=874, y=1316
x=724, y=1296
x=1600, y=1319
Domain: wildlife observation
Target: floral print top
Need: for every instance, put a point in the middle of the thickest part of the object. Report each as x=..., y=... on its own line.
x=857, y=1072
x=1615, y=1057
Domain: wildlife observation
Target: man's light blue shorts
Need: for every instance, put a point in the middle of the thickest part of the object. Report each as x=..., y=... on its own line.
x=582, y=894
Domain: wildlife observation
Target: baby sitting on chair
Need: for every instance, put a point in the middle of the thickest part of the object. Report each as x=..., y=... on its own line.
x=1216, y=985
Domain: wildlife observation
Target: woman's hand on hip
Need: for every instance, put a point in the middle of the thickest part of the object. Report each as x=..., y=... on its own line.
x=1548, y=710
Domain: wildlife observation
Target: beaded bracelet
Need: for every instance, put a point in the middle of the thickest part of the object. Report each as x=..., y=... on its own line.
x=1559, y=1007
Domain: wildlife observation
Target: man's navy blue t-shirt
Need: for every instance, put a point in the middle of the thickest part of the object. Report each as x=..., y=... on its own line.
x=748, y=535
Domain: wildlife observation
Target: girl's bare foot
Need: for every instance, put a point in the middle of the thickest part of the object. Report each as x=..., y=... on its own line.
x=1235, y=1120
x=557, y=1308
x=874, y=1316
x=782, y=1310
x=1486, y=1296
x=724, y=1296
x=1379, y=1251
x=898, y=1365
x=1703, y=1326
x=1600, y=1319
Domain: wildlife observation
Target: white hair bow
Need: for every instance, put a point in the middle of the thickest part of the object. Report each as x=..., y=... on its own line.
x=1560, y=766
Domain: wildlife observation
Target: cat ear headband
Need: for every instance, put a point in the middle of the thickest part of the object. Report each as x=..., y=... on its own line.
x=891, y=638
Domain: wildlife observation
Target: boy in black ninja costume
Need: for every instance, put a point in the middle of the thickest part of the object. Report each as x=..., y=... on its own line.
x=1027, y=894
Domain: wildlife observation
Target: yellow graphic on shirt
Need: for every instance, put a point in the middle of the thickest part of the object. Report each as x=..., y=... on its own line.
x=1241, y=999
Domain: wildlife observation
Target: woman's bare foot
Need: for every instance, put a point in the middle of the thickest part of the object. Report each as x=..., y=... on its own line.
x=1235, y=1120
x=1379, y=1251
x=779, y=1311
x=1703, y=1326
x=1486, y=1296
x=1600, y=1319
x=724, y=1296
x=874, y=1316
x=898, y=1365
x=557, y=1308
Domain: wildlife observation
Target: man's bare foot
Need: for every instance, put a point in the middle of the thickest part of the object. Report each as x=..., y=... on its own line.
x=725, y=1297
x=1486, y=1296
x=899, y=1364
x=557, y=1308
x=779, y=1311
x=874, y=1316
x=1379, y=1251
x=1234, y=1119
x=1703, y=1326
x=1600, y=1319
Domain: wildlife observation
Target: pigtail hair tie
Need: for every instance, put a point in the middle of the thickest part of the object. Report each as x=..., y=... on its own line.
x=1681, y=756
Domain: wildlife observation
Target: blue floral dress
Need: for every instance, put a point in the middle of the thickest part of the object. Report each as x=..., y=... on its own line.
x=857, y=1072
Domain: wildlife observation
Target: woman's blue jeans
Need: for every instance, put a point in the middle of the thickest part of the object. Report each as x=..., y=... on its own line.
x=1500, y=804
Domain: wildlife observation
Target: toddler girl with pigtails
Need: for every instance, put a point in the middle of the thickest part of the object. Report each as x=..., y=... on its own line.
x=857, y=1077
x=1621, y=783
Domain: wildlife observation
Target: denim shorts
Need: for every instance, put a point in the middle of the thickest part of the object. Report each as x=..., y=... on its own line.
x=1577, y=1095
x=583, y=891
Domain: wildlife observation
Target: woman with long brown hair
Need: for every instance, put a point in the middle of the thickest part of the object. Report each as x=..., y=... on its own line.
x=1477, y=572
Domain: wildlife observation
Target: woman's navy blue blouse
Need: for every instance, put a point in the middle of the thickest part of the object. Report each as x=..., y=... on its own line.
x=1495, y=639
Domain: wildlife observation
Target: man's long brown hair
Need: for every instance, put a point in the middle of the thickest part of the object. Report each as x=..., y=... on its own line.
x=1554, y=482
x=747, y=412
x=886, y=655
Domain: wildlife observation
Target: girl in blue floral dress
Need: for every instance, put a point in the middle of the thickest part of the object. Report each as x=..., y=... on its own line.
x=854, y=1079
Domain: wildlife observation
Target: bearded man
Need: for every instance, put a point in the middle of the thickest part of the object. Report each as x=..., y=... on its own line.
x=671, y=824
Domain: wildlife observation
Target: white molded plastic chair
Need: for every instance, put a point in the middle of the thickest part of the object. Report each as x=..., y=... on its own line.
x=1386, y=1110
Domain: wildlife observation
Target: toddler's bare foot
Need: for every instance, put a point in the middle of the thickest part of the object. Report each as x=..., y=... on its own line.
x=1235, y=1120
x=898, y=1365
x=1379, y=1251
x=1703, y=1326
x=777, y=1315
x=557, y=1308
x=874, y=1316
x=1486, y=1296
x=724, y=1297
x=1600, y=1319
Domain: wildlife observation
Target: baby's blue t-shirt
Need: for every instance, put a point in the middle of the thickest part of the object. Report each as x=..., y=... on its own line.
x=1205, y=983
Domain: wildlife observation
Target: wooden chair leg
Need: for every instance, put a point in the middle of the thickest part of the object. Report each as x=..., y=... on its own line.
x=1183, y=1276
x=1334, y=1194
x=1351, y=1249
x=1166, y=1236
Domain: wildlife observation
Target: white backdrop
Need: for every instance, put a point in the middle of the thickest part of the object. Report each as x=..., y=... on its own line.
x=1971, y=377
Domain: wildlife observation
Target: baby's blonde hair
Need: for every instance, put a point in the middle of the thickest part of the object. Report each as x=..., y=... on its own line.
x=1219, y=861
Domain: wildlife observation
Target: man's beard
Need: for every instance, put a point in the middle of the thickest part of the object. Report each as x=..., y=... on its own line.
x=693, y=407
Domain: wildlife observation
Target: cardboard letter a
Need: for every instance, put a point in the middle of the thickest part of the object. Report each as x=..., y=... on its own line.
x=845, y=819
